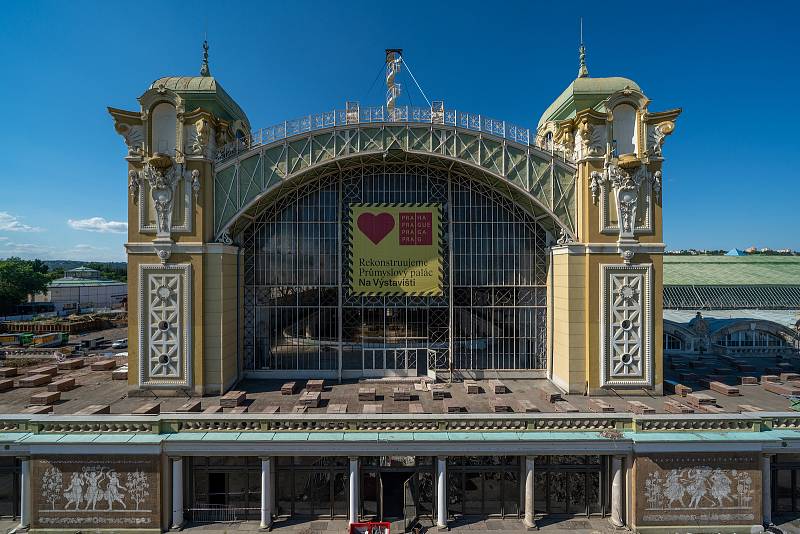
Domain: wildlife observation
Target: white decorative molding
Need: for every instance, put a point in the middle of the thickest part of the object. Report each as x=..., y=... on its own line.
x=656, y=133
x=590, y=141
x=609, y=248
x=182, y=248
x=195, y=174
x=629, y=188
x=163, y=183
x=134, y=185
x=165, y=331
x=225, y=238
x=133, y=134
x=626, y=326
x=565, y=238
x=200, y=139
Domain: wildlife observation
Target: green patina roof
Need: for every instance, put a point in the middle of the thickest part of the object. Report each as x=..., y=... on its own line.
x=203, y=92
x=584, y=93
x=731, y=270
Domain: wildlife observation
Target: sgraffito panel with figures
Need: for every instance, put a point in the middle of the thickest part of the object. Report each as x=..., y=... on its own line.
x=121, y=492
x=698, y=489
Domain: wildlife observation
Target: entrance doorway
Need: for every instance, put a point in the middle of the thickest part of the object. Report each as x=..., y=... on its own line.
x=398, y=490
x=394, y=486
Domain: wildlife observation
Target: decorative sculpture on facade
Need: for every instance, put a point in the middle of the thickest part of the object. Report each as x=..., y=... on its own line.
x=225, y=238
x=626, y=185
x=134, y=138
x=162, y=177
x=201, y=137
x=595, y=186
x=656, y=137
x=134, y=182
x=195, y=181
x=657, y=185
x=591, y=139
x=565, y=238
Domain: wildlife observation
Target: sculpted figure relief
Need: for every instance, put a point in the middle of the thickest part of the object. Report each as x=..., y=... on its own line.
x=699, y=488
x=202, y=135
x=162, y=178
x=134, y=138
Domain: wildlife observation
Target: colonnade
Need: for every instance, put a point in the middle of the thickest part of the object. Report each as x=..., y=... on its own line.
x=354, y=499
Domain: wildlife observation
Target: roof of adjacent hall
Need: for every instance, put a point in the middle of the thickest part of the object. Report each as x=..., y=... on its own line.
x=731, y=270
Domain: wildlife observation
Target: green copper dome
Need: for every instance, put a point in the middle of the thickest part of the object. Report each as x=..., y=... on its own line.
x=584, y=93
x=204, y=92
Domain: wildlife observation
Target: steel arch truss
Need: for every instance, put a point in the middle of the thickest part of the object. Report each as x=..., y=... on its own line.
x=543, y=184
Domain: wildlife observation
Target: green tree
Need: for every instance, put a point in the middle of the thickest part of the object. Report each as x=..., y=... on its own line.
x=18, y=279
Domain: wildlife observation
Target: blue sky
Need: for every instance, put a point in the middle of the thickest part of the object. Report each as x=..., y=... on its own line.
x=731, y=175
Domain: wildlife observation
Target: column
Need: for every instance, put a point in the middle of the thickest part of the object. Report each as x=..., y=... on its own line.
x=441, y=492
x=266, y=493
x=529, y=521
x=354, y=482
x=766, y=489
x=177, y=493
x=616, y=492
x=25, y=493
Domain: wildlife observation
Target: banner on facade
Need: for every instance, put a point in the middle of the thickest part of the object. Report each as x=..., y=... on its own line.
x=396, y=249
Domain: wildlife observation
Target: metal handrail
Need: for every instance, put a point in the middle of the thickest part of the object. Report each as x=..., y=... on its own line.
x=371, y=115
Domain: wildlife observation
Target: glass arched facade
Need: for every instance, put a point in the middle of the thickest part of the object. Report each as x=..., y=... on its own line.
x=300, y=315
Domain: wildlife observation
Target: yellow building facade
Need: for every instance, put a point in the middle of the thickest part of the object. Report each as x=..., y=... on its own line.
x=588, y=179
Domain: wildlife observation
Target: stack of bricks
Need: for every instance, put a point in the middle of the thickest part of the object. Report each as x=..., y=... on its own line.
x=310, y=399
x=401, y=393
x=232, y=399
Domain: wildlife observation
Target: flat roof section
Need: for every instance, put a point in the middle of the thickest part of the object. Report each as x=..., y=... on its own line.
x=465, y=399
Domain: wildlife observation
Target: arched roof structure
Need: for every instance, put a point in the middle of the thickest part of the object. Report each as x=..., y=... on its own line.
x=247, y=175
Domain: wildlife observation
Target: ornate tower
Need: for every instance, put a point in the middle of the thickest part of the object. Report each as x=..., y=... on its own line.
x=607, y=283
x=183, y=318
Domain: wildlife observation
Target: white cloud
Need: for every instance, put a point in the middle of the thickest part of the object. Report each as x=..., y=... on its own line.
x=99, y=224
x=81, y=252
x=23, y=249
x=12, y=223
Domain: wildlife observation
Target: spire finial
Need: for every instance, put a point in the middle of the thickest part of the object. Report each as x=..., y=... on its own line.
x=583, y=72
x=204, y=70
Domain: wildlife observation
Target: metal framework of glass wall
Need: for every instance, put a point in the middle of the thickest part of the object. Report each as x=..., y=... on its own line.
x=311, y=486
x=785, y=481
x=299, y=313
x=571, y=485
x=483, y=486
x=224, y=488
x=9, y=487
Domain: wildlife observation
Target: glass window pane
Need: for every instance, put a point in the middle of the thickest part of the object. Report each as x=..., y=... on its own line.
x=576, y=491
x=455, y=492
x=7, y=495
x=284, y=491
x=473, y=493
x=493, y=493
x=783, y=490
x=557, y=486
x=511, y=493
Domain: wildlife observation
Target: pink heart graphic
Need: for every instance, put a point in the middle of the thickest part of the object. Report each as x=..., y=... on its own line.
x=375, y=227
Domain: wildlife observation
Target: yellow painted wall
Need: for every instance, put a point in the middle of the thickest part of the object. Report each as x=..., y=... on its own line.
x=219, y=323
x=568, y=335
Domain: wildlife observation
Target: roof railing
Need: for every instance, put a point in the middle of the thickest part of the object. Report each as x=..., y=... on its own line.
x=355, y=114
